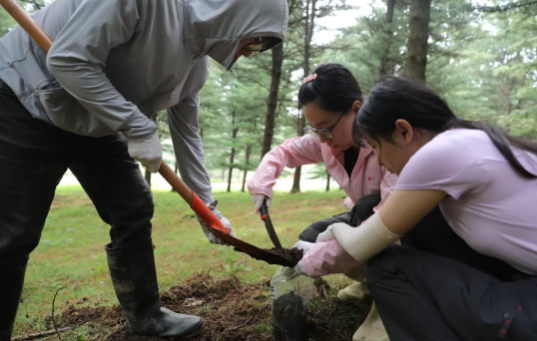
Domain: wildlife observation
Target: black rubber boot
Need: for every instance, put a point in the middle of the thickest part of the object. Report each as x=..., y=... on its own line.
x=135, y=281
x=12, y=280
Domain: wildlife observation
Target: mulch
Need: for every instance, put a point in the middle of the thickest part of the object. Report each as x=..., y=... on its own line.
x=232, y=311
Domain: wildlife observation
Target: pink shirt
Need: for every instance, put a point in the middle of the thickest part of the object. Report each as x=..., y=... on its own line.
x=366, y=178
x=490, y=206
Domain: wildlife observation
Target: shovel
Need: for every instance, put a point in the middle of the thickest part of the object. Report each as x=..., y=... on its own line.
x=268, y=225
x=216, y=227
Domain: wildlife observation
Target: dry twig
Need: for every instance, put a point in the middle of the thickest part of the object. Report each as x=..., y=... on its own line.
x=244, y=324
x=40, y=335
x=53, y=320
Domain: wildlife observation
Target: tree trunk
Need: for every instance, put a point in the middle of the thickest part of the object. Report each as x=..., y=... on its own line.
x=308, y=36
x=416, y=58
x=328, y=181
x=385, y=65
x=390, y=10
x=246, y=164
x=272, y=103
x=232, y=155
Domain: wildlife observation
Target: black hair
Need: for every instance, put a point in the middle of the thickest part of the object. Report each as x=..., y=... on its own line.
x=334, y=89
x=270, y=43
x=396, y=98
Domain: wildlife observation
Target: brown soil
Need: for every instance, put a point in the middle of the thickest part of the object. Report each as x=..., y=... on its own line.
x=232, y=310
x=292, y=255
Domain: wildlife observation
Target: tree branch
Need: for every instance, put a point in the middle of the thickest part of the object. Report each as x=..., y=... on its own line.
x=511, y=6
x=34, y=3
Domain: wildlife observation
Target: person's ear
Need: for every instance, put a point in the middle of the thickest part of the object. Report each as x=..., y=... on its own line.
x=403, y=132
x=356, y=106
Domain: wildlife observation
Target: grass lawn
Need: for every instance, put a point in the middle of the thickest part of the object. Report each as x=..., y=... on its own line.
x=71, y=253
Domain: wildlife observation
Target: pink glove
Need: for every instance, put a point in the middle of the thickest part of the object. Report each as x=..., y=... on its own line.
x=326, y=258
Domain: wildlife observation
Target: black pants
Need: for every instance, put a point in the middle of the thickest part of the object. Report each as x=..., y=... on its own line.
x=435, y=287
x=422, y=296
x=311, y=232
x=34, y=156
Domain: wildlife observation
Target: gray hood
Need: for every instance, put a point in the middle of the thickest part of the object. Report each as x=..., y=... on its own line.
x=114, y=62
x=215, y=27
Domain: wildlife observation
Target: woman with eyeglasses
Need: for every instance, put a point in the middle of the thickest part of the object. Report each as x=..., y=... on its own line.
x=330, y=99
x=485, y=182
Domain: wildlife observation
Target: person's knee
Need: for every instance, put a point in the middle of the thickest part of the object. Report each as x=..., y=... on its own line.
x=363, y=209
x=16, y=260
x=311, y=232
x=134, y=225
x=308, y=236
x=18, y=243
x=383, y=264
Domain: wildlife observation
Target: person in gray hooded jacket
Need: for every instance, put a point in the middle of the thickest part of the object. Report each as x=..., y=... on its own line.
x=86, y=106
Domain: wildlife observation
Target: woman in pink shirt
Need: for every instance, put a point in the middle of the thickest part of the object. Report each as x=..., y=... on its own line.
x=485, y=183
x=331, y=98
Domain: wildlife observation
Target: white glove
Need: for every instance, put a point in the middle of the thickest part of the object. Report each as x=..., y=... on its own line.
x=303, y=245
x=205, y=227
x=328, y=234
x=291, y=273
x=147, y=150
x=258, y=199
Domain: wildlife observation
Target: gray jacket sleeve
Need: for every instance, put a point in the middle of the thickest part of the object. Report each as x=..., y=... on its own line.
x=77, y=60
x=184, y=121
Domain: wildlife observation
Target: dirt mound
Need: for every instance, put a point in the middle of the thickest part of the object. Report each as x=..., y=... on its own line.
x=232, y=311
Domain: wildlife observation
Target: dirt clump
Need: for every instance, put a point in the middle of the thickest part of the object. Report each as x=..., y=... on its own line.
x=99, y=315
x=292, y=255
x=232, y=311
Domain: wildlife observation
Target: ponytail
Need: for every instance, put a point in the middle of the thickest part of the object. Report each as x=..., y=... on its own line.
x=503, y=143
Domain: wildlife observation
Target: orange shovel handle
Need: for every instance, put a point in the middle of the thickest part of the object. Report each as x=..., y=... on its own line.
x=44, y=41
x=191, y=198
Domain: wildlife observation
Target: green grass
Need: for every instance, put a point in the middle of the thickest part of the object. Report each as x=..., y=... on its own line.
x=71, y=253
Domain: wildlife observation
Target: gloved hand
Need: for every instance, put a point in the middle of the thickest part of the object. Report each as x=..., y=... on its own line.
x=258, y=199
x=291, y=273
x=205, y=227
x=299, y=269
x=327, y=234
x=147, y=150
x=303, y=245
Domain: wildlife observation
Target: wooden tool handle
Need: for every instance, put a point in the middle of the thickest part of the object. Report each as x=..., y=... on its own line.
x=44, y=41
x=177, y=184
x=27, y=23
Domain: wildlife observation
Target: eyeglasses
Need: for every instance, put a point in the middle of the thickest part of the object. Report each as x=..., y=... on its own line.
x=257, y=47
x=324, y=132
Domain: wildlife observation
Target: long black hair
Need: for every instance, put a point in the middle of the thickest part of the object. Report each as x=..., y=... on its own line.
x=334, y=89
x=395, y=98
